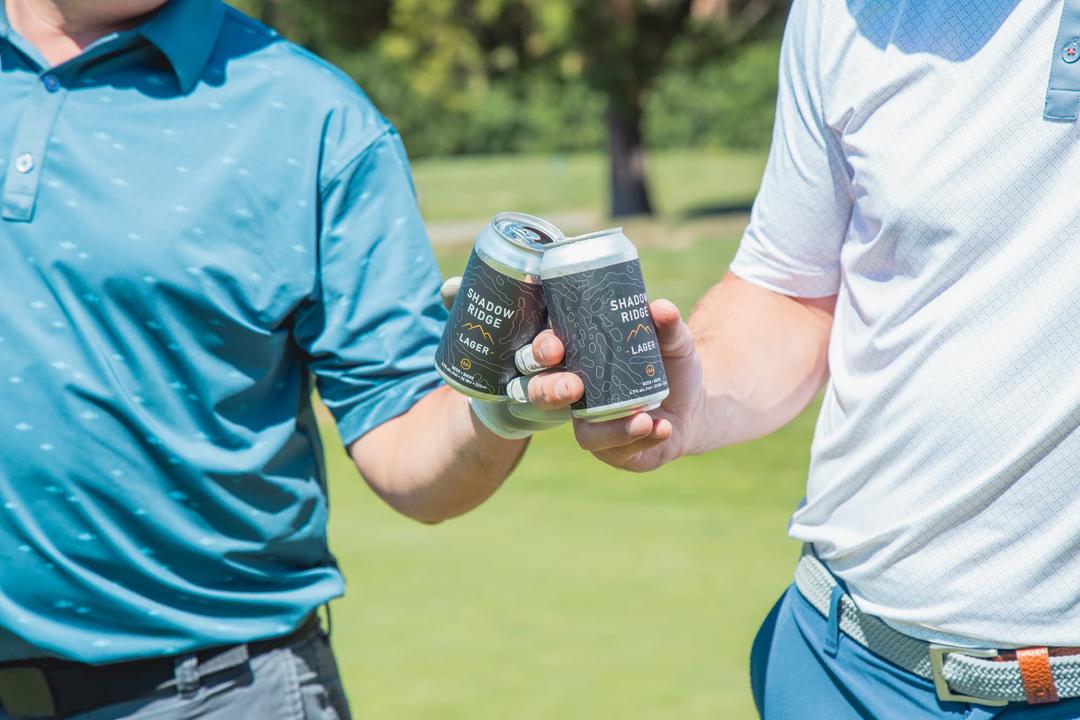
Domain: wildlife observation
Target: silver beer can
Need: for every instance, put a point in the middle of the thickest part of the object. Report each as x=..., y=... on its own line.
x=499, y=308
x=598, y=308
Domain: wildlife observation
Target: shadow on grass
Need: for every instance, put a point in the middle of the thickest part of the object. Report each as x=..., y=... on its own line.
x=717, y=210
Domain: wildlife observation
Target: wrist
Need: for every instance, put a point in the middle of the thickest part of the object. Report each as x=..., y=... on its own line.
x=701, y=436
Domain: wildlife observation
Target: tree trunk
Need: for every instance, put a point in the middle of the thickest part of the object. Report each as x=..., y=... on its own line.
x=629, y=188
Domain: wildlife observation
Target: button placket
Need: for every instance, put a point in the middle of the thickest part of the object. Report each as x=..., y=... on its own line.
x=1063, y=93
x=23, y=177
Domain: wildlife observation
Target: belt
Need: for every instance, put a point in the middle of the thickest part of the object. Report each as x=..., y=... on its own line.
x=981, y=676
x=54, y=688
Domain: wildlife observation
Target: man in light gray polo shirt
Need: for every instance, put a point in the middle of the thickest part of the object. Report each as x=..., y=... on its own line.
x=913, y=251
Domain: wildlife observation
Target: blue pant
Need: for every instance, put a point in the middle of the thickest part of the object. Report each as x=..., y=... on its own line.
x=794, y=678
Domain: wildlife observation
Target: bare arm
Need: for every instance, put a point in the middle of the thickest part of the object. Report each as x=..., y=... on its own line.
x=763, y=357
x=435, y=461
x=748, y=362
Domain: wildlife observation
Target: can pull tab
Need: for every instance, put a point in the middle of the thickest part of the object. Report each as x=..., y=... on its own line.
x=1063, y=93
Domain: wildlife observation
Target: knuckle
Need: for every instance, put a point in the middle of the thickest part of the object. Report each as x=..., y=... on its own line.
x=538, y=390
x=549, y=391
x=681, y=345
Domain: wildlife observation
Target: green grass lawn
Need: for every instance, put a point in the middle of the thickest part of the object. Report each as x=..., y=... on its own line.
x=577, y=592
x=681, y=181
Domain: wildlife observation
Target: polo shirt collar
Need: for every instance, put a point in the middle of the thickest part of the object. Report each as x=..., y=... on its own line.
x=186, y=32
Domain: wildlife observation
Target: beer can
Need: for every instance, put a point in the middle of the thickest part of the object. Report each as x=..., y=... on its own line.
x=599, y=309
x=499, y=308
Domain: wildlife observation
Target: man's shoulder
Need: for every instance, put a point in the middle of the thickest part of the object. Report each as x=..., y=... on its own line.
x=291, y=70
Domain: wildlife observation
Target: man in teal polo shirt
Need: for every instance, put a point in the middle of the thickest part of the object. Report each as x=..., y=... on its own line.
x=197, y=219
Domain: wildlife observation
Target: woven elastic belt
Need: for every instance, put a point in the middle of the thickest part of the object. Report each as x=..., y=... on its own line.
x=970, y=675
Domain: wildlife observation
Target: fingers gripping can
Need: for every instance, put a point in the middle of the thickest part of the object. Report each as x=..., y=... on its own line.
x=598, y=307
x=499, y=308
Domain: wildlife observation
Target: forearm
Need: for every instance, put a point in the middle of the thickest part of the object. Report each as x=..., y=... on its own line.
x=437, y=460
x=764, y=356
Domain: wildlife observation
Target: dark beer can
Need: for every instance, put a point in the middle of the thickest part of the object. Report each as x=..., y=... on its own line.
x=499, y=308
x=599, y=309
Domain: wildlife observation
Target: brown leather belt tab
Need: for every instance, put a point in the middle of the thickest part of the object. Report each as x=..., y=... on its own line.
x=1037, y=676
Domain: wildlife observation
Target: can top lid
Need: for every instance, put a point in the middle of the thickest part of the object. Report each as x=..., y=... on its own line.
x=527, y=231
x=589, y=236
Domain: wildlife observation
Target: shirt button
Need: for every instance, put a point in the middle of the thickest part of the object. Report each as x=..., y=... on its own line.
x=1071, y=53
x=24, y=163
x=52, y=84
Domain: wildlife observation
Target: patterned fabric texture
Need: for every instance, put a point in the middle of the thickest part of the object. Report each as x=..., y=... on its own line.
x=913, y=174
x=200, y=220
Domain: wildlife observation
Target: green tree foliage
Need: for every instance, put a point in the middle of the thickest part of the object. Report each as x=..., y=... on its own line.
x=323, y=25
x=506, y=76
x=626, y=44
x=489, y=75
x=726, y=102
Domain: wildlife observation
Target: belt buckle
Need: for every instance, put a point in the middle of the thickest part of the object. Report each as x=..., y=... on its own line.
x=937, y=668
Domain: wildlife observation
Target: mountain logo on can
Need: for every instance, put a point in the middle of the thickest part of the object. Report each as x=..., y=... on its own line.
x=484, y=333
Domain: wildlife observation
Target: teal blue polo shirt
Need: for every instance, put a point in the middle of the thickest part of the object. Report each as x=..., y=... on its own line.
x=199, y=220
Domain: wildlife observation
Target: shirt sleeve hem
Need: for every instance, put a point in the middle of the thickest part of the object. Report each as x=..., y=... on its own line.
x=360, y=419
x=764, y=272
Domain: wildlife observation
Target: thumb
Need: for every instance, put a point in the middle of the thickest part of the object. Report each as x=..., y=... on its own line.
x=449, y=290
x=671, y=332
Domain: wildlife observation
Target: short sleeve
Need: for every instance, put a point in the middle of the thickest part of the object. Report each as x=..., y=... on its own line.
x=802, y=211
x=371, y=327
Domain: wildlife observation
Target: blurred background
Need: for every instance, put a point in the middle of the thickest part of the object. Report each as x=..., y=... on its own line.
x=578, y=591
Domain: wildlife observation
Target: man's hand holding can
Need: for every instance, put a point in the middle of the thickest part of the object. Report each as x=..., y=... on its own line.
x=488, y=351
x=606, y=337
x=645, y=440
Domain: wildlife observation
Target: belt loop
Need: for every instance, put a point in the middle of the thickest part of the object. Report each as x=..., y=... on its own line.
x=832, y=627
x=187, y=675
